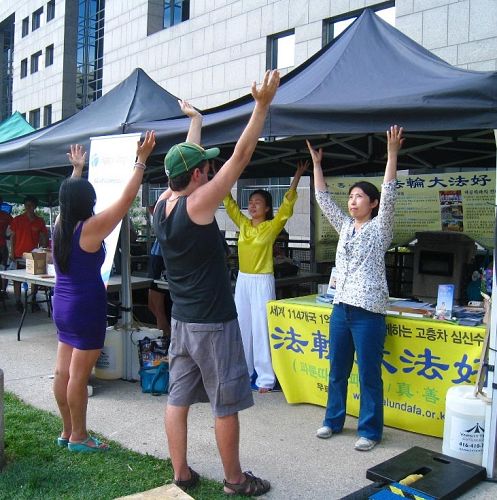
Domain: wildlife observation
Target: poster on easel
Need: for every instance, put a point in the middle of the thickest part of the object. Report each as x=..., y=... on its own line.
x=455, y=202
x=111, y=165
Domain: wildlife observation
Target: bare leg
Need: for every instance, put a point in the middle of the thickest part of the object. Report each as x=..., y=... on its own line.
x=228, y=440
x=176, y=419
x=156, y=305
x=61, y=379
x=77, y=393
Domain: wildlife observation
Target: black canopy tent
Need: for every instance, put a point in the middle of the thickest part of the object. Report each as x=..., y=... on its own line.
x=135, y=99
x=348, y=94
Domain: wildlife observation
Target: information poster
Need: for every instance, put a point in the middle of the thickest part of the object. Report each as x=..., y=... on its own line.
x=461, y=202
x=422, y=359
x=111, y=164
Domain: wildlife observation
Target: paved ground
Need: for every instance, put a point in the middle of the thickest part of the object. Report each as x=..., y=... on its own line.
x=278, y=440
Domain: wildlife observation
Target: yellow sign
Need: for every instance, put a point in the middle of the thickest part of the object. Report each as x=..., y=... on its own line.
x=457, y=201
x=422, y=359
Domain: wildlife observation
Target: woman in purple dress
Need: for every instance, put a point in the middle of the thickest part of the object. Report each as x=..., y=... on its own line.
x=80, y=302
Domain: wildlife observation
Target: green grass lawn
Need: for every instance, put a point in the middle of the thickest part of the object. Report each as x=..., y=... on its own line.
x=37, y=468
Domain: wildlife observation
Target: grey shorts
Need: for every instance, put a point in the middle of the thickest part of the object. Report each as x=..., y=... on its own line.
x=207, y=364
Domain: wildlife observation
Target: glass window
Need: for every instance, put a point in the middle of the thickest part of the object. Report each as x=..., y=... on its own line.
x=50, y=10
x=36, y=19
x=35, y=59
x=24, y=68
x=49, y=55
x=281, y=50
x=34, y=118
x=175, y=12
x=47, y=115
x=25, y=26
x=334, y=26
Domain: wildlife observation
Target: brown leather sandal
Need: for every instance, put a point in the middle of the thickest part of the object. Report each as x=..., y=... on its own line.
x=185, y=484
x=251, y=487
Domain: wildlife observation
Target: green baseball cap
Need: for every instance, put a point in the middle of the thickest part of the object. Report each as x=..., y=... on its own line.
x=185, y=156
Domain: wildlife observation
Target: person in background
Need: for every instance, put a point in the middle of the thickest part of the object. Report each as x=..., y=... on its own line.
x=358, y=318
x=5, y=220
x=156, y=296
x=80, y=299
x=28, y=232
x=255, y=284
x=206, y=356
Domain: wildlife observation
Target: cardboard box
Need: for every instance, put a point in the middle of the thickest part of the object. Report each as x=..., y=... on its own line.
x=36, y=262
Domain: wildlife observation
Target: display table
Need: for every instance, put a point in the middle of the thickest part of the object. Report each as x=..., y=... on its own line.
x=48, y=282
x=423, y=358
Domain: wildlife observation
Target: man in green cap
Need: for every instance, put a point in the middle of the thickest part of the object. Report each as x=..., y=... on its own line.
x=206, y=357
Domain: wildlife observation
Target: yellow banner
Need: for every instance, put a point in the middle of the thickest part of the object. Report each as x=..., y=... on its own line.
x=422, y=360
x=458, y=201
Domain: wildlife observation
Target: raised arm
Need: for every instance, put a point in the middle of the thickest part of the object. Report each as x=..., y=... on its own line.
x=195, y=130
x=302, y=166
x=203, y=202
x=317, y=158
x=77, y=157
x=99, y=226
x=394, y=143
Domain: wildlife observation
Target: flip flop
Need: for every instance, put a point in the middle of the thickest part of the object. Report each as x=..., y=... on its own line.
x=62, y=442
x=85, y=447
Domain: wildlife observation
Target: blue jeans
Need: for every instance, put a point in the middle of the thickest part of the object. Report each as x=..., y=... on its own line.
x=355, y=329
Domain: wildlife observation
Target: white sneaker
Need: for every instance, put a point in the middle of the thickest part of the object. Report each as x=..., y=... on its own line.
x=324, y=432
x=365, y=444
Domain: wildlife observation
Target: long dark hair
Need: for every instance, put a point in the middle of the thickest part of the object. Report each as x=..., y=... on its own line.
x=268, y=199
x=371, y=192
x=77, y=200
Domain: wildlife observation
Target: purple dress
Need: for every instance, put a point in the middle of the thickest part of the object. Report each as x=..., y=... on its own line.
x=80, y=298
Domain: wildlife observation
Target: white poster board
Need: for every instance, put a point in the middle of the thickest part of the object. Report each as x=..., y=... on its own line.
x=111, y=165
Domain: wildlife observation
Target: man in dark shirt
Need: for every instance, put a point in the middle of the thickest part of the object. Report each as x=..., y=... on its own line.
x=206, y=357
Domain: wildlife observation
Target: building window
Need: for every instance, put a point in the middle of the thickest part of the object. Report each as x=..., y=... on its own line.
x=90, y=51
x=50, y=10
x=281, y=50
x=7, y=29
x=35, y=60
x=25, y=26
x=34, y=118
x=334, y=26
x=47, y=115
x=175, y=12
x=36, y=19
x=24, y=68
x=49, y=55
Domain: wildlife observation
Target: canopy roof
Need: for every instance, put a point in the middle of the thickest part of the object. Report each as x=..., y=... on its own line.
x=370, y=77
x=135, y=99
x=14, y=126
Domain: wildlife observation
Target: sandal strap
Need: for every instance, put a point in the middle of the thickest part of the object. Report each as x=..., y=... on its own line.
x=252, y=486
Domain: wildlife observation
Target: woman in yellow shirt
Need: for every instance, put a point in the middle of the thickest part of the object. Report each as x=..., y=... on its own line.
x=255, y=283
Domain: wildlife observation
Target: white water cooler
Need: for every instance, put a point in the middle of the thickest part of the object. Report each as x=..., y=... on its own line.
x=110, y=364
x=464, y=427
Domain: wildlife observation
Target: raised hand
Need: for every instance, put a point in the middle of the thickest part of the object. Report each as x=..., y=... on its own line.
x=302, y=166
x=316, y=155
x=265, y=93
x=77, y=156
x=144, y=148
x=394, y=139
x=188, y=109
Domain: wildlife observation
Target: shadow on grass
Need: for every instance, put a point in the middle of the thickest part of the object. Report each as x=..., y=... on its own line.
x=36, y=468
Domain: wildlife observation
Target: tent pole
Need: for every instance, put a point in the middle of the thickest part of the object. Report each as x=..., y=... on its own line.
x=126, y=296
x=490, y=444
